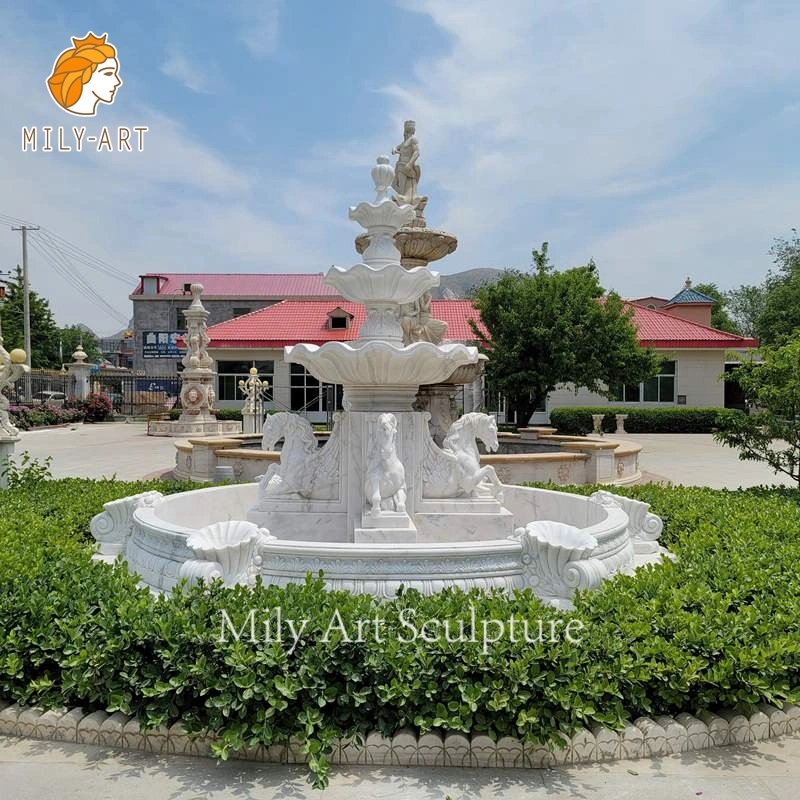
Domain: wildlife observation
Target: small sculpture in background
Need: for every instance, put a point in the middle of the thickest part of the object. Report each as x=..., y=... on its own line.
x=12, y=366
x=385, y=484
x=254, y=390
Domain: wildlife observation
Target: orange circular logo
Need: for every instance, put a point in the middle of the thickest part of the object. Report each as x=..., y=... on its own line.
x=85, y=74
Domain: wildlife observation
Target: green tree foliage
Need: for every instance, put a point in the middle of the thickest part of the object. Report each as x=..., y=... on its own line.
x=745, y=305
x=71, y=336
x=720, y=318
x=780, y=317
x=771, y=432
x=550, y=327
x=45, y=333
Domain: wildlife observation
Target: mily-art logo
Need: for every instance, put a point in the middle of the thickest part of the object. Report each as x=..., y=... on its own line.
x=84, y=76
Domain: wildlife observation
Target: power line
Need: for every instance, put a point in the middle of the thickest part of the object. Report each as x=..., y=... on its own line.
x=72, y=276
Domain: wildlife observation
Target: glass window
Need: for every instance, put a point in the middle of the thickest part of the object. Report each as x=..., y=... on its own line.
x=306, y=393
x=229, y=373
x=666, y=389
x=650, y=390
x=338, y=323
x=632, y=393
x=240, y=312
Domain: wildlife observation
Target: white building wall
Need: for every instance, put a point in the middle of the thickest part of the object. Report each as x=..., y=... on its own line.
x=696, y=376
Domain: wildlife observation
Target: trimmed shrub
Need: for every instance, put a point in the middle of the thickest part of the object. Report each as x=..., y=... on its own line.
x=222, y=414
x=721, y=627
x=97, y=407
x=678, y=419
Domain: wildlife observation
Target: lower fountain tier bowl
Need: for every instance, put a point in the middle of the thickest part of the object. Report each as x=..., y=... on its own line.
x=160, y=530
x=378, y=363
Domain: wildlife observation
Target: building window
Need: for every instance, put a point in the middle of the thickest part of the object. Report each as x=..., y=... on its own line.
x=180, y=319
x=658, y=389
x=306, y=393
x=338, y=323
x=150, y=286
x=229, y=373
x=240, y=312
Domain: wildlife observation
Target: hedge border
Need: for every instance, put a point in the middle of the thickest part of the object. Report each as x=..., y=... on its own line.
x=642, y=738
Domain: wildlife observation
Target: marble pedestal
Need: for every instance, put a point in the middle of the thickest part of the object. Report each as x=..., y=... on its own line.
x=7, y=445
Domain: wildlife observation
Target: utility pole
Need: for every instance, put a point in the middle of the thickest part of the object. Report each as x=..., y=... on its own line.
x=26, y=289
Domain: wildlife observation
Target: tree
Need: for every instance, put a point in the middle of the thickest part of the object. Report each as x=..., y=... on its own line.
x=72, y=335
x=780, y=317
x=746, y=305
x=771, y=432
x=47, y=339
x=44, y=331
x=720, y=319
x=547, y=328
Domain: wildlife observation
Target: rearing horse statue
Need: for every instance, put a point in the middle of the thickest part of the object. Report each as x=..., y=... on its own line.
x=455, y=469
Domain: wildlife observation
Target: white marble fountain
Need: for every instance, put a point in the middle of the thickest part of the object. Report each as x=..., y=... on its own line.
x=381, y=505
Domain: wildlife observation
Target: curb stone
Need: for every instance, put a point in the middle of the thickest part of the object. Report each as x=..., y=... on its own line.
x=645, y=737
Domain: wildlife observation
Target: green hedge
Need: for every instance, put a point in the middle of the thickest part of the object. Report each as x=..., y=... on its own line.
x=721, y=627
x=222, y=414
x=678, y=419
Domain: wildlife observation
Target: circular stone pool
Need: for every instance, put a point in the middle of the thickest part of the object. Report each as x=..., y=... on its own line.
x=560, y=542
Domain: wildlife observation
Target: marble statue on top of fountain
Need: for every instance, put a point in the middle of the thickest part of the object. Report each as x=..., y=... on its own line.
x=385, y=476
x=407, y=173
x=305, y=470
x=455, y=470
x=416, y=320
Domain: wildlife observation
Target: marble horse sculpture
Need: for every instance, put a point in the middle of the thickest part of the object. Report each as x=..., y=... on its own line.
x=304, y=469
x=456, y=469
x=385, y=484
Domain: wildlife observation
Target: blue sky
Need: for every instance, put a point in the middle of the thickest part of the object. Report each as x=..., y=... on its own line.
x=659, y=139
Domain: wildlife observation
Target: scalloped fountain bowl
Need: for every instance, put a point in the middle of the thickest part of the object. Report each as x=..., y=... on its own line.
x=157, y=533
x=379, y=363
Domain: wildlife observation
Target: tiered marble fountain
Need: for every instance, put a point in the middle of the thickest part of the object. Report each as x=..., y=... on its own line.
x=381, y=505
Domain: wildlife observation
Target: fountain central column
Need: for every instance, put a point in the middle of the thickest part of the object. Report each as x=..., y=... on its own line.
x=382, y=437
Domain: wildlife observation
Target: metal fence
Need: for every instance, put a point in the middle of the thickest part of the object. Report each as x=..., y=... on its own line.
x=138, y=395
x=41, y=386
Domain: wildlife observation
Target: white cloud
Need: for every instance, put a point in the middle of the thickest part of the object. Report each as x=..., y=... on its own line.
x=534, y=108
x=260, y=25
x=179, y=67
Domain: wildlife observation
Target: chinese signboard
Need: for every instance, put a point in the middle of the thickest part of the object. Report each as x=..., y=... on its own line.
x=161, y=344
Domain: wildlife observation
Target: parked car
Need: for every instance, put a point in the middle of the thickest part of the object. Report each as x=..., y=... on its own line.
x=52, y=398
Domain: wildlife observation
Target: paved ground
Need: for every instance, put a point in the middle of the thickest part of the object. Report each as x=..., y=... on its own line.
x=695, y=459
x=32, y=770
x=94, y=451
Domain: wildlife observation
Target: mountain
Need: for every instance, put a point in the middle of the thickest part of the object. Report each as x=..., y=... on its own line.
x=462, y=283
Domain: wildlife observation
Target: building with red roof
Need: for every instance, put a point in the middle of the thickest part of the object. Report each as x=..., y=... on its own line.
x=160, y=299
x=694, y=354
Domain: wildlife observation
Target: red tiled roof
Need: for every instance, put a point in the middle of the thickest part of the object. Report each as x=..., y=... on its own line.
x=293, y=321
x=662, y=330
x=243, y=284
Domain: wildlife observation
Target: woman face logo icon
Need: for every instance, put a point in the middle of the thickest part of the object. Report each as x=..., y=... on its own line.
x=85, y=75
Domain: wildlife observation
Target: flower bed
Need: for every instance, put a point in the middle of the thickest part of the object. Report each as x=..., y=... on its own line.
x=719, y=628
x=39, y=415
